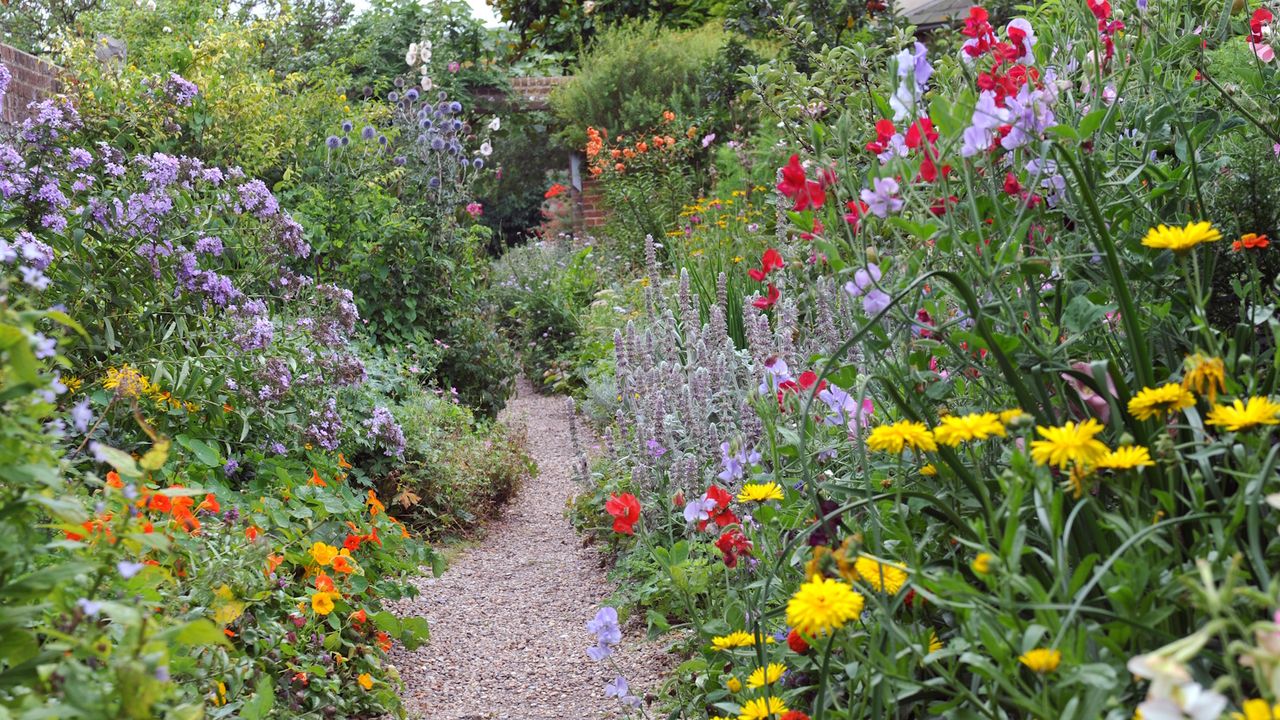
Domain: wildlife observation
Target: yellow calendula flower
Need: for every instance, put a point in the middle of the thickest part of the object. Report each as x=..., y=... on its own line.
x=1159, y=402
x=1041, y=660
x=322, y=603
x=1240, y=415
x=366, y=681
x=733, y=684
x=929, y=470
x=762, y=709
x=881, y=576
x=902, y=434
x=1205, y=375
x=955, y=429
x=760, y=492
x=822, y=605
x=1181, y=239
x=981, y=564
x=934, y=643
x=323, y=553
x=1257, y=709
x=126, y=381
x=1068, y=443
x=735, y=639
x=73, y=384
x=1125, y=457
x=766, y=676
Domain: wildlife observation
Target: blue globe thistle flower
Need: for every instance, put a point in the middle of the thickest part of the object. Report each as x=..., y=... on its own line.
x=422, y=114
x=347, y=126
x=453, y=150
x=393, y=96
x=399, y=160
x=455, y=107
x=382, y=139
x=425, y=124
x=442, y=95
x=457, y=125
x=411, y=95
x=332, y=141
x=399, y=82
x=478, y=163
x=345, y=141
x=437, y=143
x=434, y=182
x=368, y=132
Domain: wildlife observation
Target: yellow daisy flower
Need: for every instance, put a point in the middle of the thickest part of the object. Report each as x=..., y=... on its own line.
x=1068, y=443
x=1125, y=457
x=1159, y=402
x=766, y=676
x=822, y=605
x=902, y=434
x=981, y=564
x=733, y=685
x=760, y=492
x=1257, y=709
x=929, y=470
x=1041, y=660
x=73, y=384
x=934, y=643
x=1244, y=415
x=1205, y=375
x=883, y=577
x=735, y=639
x=1181, y=239
x=127, y=382
x=1008, y=416
x=955, y=429
x=762, y=708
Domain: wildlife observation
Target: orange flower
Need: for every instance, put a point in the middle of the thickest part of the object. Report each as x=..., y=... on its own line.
x=300, y=677
x=365, y=680
x=619, y=167
x=228, y=632
x=1250, y=241
x=183, y=517
x=375, y=506
x=352, y=542
x=358, y=617
x=343, y=564
x=324, y=583
x=596, y=170
x=615, y=153
x=628, y=153
x=384, y=641
x=342, y=462
x=273, y=562
x=670, y=140
x=160, y=503
x=148, y=528
x=642, y=147
x=210, y=503
x=226, y=408
x=373, y=536
x=316, y=480
x=113, y=480
x=668, y=116
x=252, y=533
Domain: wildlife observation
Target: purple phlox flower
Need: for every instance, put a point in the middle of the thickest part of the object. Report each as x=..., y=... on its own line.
x=881, y=198
x=87, y=606
x=386, y=432
x=180, y=90
x=128, y=568
x=655, y=448
x=81, y=416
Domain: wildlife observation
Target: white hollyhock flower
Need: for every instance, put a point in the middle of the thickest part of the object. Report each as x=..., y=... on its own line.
x=426, y=83
x=486, y=149
x=495, y=124
x=411, y=57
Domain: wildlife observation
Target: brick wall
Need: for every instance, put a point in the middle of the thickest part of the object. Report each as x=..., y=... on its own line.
x=33, y=79
x=591, y=211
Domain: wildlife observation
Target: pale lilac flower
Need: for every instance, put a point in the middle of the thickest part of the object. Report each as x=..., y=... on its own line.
x=864, y=279
x=696, y=511
x=881, y=198
x=620, y=689
x=89, y=607
x=128, y=568
x=708, y=139
x=655, y=448
x=81, y=416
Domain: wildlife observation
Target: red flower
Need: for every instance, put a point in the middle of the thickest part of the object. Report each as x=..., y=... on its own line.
x=554, y=190
x=1250, y=241
x=771, y=296
x=884, y=133
x=818, y=229
x=352, y=542
x=806, y=193
x=1261, y=17
x=771, y=260
x=722, y=515
x=625, y=510
x=939, y=206
x=733, y=544
x=857, y=210
x=794, y=715
x=796, y=642
x=1011, y=184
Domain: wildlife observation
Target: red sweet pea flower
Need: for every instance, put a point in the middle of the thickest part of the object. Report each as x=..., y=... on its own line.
x=625, y=510
x=771, y=296
x=939, y=206
x=1011, y=184
x=554, y=190
x=857, y=210
x=796, y=642
x=1261, y=17
x=733, y=544
x=794, y=715
x=722, y=515
x=806, y=193
x=818, y=229
x=884, y=133
x=771, y=260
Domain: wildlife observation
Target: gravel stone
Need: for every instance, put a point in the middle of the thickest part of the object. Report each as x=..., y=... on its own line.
x=508, y=618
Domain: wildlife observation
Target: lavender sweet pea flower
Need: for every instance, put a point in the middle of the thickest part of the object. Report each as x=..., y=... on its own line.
x=599, y=652
x=864, y=279
x=778, y=373
x=128, y=568
x=841, y=404
x=875, y=301
x=605, y=626
x=620, y=689
x=881, y=198
x=696, y=511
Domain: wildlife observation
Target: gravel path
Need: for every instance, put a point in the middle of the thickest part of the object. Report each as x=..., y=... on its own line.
x=508, y=636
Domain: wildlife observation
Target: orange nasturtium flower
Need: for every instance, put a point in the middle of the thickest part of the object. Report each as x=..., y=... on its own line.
x=384, y=641
x=316, y=480
x=252, y=533
x=343, y=564
x=322, y=603
x=1251, y=241
x=358, y=617
x=273, y=562
x=210, y=503
x=113, y=480
x=375, y=505
x=323, y=553
x=324, y=583
x=365, y=680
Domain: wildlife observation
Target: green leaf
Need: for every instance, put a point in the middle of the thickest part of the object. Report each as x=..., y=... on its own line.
x=414, y=632
x=200, y=632
x=1082, y=314
x=205, y=454
x=259, y=705
x=120, y=460
x=1090, y=123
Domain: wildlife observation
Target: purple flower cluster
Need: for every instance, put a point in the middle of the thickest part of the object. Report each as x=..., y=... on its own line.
x=383, y=430
x=275, y=379
x=325, y=428
x=180, y=90
x=607, y=631
x=864, y=285
x=31, y=256
x=736, y=463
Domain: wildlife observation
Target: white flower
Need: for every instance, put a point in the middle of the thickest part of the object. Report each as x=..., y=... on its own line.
x=167, y=29
x=588, y=7
x=486, y=149
x=495, y=124
x=151, y=5
x=426, y=83
x=411, y=57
